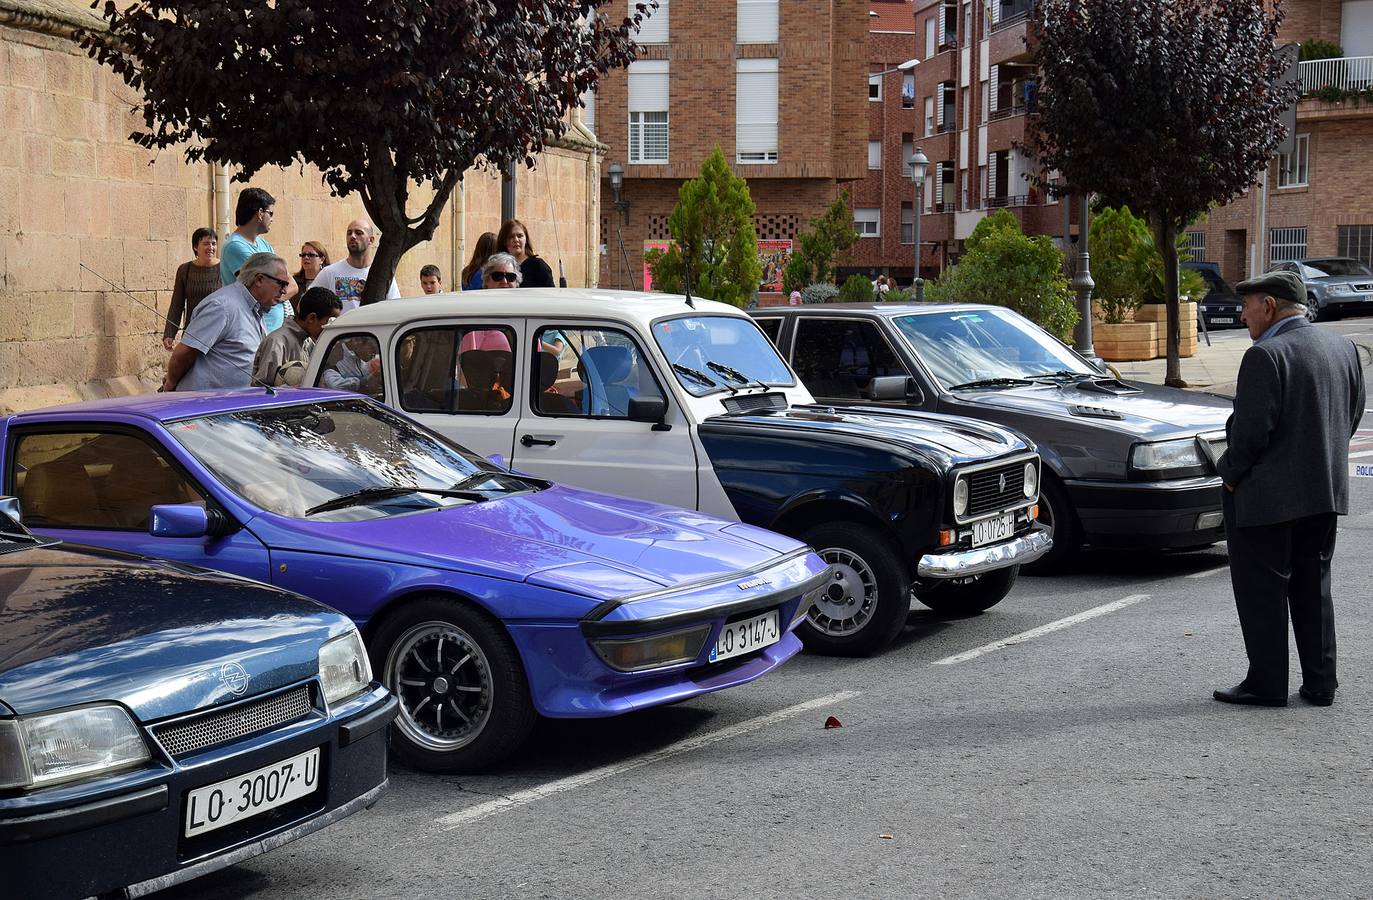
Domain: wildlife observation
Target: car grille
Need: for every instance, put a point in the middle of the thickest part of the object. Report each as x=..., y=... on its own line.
x=1364, y=288
x=221, y=726
x=985, y=491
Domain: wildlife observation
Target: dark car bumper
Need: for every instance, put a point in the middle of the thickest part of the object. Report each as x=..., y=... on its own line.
x=1349, y=304
x=1222, y=314
x=1159, y=514
x=83, y=839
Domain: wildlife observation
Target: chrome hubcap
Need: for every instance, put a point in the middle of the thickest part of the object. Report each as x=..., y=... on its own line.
x=443, y=681
x=847, y=602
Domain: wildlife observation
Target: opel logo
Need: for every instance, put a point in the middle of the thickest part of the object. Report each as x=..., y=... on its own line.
x=1001, y=485
x=235, y=678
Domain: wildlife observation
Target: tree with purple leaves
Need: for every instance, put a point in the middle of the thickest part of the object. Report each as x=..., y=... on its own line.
x=384, y=97
x=1169, y=106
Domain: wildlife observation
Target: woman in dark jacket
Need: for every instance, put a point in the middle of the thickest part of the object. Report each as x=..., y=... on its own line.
x=195, y=280
x=514, y=239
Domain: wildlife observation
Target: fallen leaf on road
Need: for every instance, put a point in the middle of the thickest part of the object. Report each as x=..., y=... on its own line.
x=832, y=722
x=1187, y=634
x=886, y=837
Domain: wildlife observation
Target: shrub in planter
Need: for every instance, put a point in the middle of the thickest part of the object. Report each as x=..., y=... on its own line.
x=1122, y=252
x=819, y=293
x=856, y=289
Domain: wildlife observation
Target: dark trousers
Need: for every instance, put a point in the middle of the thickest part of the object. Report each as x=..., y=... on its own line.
x=1275, y=569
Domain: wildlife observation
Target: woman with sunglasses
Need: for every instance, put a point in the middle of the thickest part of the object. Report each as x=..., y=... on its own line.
x=313, y=257
x=514, y=240
x=195, y=280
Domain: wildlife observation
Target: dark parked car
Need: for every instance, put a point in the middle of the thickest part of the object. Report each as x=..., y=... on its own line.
x=1221, y=307
x=158, y=722
x=1334, y=285
x=1125, y=463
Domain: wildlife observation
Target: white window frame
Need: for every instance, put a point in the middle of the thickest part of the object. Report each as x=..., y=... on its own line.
x=755, y=111
x=867, y=221
x=931, y=48
x=649, y=89
x=655, y=27
x=1294, y=168
x=874, y=155
x=875, y=81
x=907, y=223
x=589, y=109
x=1196, y=245
x=907, y=91
x=929, y=116
x=907, y=151
x=756, y=21
x=1286, y=245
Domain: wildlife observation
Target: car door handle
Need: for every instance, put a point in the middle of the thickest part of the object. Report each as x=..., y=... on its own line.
x=529, y=441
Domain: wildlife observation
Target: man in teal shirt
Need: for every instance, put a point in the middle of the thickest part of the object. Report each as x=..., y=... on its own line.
x=253, y=216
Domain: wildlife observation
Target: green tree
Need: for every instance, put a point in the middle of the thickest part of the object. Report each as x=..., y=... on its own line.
x=812, y=258
x=1006, y=267
x=382, y=96
x=1122, y=253
x=1167, y=105
x=856, y=289
x=713, y=238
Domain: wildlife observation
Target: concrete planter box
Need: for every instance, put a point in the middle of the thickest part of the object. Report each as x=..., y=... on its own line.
x=1187, y=326
x=1127, y=342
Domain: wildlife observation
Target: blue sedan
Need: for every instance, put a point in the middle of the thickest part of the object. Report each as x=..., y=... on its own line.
x=157, y=724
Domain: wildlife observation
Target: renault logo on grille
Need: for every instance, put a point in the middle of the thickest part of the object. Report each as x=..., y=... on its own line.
x=1001, y=485
x=235, y=678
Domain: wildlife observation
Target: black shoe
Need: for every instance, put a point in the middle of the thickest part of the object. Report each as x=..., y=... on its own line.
x=1316, y=698
x=1244, y=697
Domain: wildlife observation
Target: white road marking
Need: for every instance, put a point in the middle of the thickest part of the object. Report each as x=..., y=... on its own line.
x=1042, y=630
x=1209, y=572
x=539, y=792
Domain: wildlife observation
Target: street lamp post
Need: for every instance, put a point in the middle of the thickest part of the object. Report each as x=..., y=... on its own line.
x=617, y=184
x=920, y=164
x=1083, y=284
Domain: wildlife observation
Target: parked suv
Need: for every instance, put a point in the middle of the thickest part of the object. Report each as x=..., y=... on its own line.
x=686, y=402
x=1334, y=285
x=1220, y=307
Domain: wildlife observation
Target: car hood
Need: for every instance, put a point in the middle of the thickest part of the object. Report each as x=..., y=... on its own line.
x=1150, y=410
x=952, y=439
x=573, y=540
x=79, y=625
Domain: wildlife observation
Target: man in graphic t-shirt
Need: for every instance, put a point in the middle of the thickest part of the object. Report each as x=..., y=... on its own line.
x=348, y=277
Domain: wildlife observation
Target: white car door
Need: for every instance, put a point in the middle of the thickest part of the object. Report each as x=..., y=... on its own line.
x=459, y=378
x=575, y=425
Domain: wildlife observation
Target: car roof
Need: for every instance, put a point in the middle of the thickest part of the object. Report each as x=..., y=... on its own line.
x=639, y=306
x=882, y=309
x=166, y=407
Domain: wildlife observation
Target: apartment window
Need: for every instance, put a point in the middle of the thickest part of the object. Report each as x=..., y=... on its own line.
x=1286, y=244
x=867, y=222
x=874, y=154
x=929, y=37
x=874, y=87
x=1292, y=167
x=1196, y=245
x=756, y=22
x=948, y=24
x=945, y=116
x=648, y=111
x=908, y=223
x=653, y=29
x=907, y=151
x=908, y=91
x=1356, y=242
x=967, y=108
x=929, y=115
x=755, y=110
x=589, y=108
x=927, y=192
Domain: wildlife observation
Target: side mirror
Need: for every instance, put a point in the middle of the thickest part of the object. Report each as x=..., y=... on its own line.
x=179, y=520
x=9, y=509
x=648, y=409
x=894, y=387
x=497, y=460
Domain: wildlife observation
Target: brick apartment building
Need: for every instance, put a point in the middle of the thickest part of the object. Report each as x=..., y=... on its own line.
x=776, y=83
x=1319, y=198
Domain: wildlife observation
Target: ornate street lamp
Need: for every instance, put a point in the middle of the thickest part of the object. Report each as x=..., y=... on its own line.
x=920, y=164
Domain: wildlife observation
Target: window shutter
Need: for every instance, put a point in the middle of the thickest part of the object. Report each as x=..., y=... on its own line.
x=756, y=22
x=939, y=107
x=755, y=110
x=943, y=23
x=653, y=29
x=648, y=85
x=589, y=113
x=994, y=88
x=939, y=184
x=993, y=162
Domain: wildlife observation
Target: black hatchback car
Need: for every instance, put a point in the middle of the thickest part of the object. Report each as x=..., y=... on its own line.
x=1124, y=463
x=158, y=722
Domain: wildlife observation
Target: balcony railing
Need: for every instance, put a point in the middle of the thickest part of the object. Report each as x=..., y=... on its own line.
x=1336, y=77
x=1009, y=200
x=1011, y=12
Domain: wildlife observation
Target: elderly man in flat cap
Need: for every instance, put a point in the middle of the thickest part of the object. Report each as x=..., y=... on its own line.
x=1286, y=470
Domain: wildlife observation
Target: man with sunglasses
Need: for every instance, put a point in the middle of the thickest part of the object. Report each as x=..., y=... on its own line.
x=225, y=331
x=253, y=214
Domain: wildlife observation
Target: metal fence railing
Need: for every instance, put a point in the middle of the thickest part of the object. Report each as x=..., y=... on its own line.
x=1346, y=73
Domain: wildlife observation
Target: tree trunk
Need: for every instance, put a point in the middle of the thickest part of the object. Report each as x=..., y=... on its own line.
x=386, y=203
x=1166, y=236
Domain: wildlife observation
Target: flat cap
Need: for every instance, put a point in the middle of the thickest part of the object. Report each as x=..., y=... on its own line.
x=1281, y=285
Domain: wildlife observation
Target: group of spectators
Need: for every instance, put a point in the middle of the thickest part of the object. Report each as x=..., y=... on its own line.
x=231, y=305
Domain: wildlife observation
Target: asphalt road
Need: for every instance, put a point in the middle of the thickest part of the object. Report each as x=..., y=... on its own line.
x=1086, y=760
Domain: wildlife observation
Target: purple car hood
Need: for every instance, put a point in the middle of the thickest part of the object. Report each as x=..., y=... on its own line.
x=573, y=540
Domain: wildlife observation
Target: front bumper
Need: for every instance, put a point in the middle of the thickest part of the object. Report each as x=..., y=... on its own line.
x=126, y=832
x=1152, y=514
x=1018, y=551
x=1349, y=303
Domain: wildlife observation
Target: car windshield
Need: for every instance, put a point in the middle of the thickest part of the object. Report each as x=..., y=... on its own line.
x=962, y=347
x=715, y=353
x=344, y=460
x=1336, y=268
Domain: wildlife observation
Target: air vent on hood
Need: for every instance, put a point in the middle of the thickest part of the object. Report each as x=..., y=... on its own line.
x=1094, y=412
x=755, y=402
x=1110, y=386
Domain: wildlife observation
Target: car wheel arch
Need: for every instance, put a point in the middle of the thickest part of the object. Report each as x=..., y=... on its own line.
x=806, y=512
x=429, y=592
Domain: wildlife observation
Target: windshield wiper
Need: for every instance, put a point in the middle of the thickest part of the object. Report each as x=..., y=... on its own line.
x=367, y=495
x=731, y=372
x=992, y=382
x=479, y=477
x=1063, y=373
x=700, y=377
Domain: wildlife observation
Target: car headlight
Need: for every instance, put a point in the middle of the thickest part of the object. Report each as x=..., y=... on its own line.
x=1031, y=480
x=39, y=750
x=655, y=652
x=1166, y=455
x=344, y=670
x=1340, y=289
x=960, y=497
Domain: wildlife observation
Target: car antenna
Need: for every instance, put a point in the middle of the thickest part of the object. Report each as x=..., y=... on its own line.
x=271, y=392
x=686, y=279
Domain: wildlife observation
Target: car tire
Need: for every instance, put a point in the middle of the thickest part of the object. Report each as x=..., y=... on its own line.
x=485, y=693
x=1313, y=310
x=970, y=596
x=1057, y=513
x=867, y=603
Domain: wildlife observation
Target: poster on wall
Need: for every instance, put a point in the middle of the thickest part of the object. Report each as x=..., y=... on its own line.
x=774, y=256
x=652, y=245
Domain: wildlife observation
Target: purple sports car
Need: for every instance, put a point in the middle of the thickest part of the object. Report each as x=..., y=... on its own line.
x=485, y=596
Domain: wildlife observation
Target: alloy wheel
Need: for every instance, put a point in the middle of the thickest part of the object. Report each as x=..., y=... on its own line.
x=443, y=681
x=847, y=602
